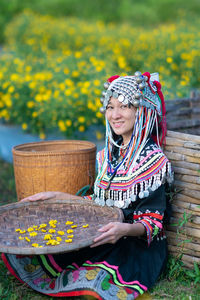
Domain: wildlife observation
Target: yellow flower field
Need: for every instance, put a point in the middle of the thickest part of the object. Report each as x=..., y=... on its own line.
x=52, y=70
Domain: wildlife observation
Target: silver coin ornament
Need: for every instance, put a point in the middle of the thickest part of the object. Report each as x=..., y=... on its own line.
x=106, y=85
x=102, y=110
x=137, y=95
x=109, y=202
x=121, y=98
x=136, y=103
x=115, y=95
x=139, y=79
x=138, y=73
x=109, y=93
x=141, y=86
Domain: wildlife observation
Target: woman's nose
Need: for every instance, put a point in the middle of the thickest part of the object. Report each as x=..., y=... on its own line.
x=116, y=113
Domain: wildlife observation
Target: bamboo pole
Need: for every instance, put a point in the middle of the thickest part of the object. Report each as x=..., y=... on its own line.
x=186, y=259
x=195, y=208
x=185, y=251
x=176, y=210
x=188, y=231
x=183, y=243
x=181, y=157
x=190, y=193
x=185, y=165
x=190, y=186
x=192, y=223
x=182, y=237
x=184, y=151
x=181, y=197
x=188, y=178
x=183, y=171
x=181, y=143
x=183, y=136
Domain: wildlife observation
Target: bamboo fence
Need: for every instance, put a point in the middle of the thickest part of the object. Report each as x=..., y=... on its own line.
x=183, y=115
x=184, y=239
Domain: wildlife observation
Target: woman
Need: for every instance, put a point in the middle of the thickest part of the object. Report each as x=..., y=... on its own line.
x=126, y=258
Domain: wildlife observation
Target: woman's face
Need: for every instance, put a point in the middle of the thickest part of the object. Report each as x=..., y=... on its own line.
x=121, y=118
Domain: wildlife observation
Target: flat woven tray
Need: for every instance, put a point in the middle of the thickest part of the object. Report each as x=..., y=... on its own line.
x=24, y=215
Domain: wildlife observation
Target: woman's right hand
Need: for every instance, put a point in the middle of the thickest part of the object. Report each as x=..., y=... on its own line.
x=40, y=196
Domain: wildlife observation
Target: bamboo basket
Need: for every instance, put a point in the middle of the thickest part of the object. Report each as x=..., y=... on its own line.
x=183, y=150
x=87, y=218
x=65, y=166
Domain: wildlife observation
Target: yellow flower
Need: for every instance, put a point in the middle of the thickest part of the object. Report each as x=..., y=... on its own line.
x=58, y=238
x=53, y=242
x=32, y=85
x=30, y=229
x=43, y=226
x=73, y=226
x=35, y=245
x=18, y=230
x=60, y=232
x=61, y=125
x=99, y=135
x=81, y=119
x=30, y=104
x=68, y=241
x=97, y=82
x=24, y=126
x=85, y=226
x=42, y=135
x=69, y=231
x=43, y=230
x=48, y=237
x=33, y=233
x=70, y=236
x=169, y=60
x=27, y=239
x=66, y=71
x=75, y=74
x=69, y=223
x=81, y=128
x=21, y=238
x=34, y=114
x=11, y=89
x=77, y=54
x=68, y=123
x=14, y=77
x=52, y=231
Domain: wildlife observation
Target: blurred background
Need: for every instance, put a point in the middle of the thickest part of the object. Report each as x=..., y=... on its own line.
x=55, y=56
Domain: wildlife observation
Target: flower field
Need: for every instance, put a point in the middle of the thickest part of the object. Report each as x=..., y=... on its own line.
x=52, y=70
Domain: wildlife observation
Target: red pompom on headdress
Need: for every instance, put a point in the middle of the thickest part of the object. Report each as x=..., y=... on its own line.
x=110, y=79
x=163, y=123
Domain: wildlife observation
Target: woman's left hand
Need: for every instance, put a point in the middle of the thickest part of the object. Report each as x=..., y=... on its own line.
x=111, y=233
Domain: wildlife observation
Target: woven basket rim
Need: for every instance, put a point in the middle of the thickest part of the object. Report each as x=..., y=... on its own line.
x=60, y=248
x=18, y=149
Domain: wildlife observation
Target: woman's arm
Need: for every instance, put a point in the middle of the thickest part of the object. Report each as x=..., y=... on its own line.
x=113, y=231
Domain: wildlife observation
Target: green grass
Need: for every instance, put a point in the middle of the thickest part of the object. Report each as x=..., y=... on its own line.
x=175, y=283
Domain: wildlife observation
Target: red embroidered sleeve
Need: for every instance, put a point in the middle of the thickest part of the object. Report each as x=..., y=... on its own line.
x=153, y=223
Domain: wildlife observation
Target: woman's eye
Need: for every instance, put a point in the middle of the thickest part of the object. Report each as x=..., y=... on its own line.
x=124, y=106
x=109, y=107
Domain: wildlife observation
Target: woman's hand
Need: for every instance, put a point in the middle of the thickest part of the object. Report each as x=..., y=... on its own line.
x=40, y=196
x=111, y=233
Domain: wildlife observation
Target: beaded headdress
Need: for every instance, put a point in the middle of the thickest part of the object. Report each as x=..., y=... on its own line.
x=140, y=90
